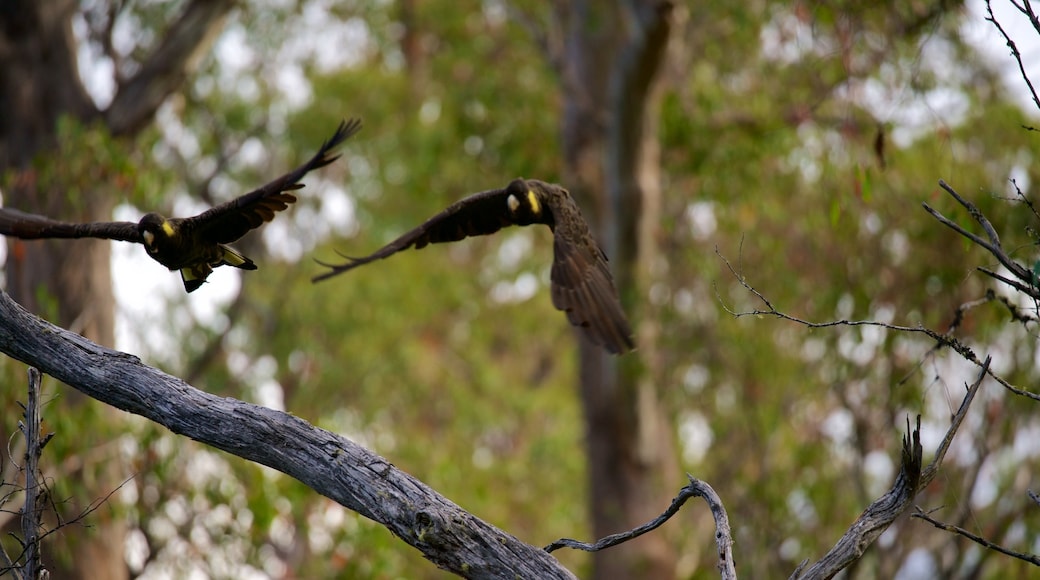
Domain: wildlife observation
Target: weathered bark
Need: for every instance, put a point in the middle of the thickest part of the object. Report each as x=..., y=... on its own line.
x=612, y=54
x=39, y=85
x=328, y=463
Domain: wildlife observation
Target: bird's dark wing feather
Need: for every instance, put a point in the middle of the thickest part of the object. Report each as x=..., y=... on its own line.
x=477, y=215
x=230, y=221
x=583, y=288
x=29, y=226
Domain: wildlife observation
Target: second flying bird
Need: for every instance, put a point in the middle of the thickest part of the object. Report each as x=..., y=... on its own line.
x=582, y=285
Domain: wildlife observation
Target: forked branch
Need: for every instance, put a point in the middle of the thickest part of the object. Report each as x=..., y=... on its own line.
x=912, y=478
x=696, y=488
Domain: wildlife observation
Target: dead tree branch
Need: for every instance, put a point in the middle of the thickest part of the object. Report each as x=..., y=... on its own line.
x=696, y=488
x=945, y=339
x=34, y=499
x=328, y=463
x=1027, y=9
x=923, y=515
x=880, y=515
x=877, y=517
x=1025, y=276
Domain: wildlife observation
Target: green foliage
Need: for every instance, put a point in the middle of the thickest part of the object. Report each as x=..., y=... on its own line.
x=88, y=159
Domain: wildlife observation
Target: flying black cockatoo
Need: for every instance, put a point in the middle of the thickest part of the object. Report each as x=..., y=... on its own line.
x=582, y=285
x=193, y=245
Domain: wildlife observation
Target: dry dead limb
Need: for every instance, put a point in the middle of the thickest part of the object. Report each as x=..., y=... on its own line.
x=911, y=479
x=923, y=515
x=696, y=488
x=330, y=464
x=1026, y=283
x=1027, y=9
x=877, y=517
x=944, y=339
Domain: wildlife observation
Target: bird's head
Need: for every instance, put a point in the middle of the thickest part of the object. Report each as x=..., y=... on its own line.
x=152, y=227
x=525, y=207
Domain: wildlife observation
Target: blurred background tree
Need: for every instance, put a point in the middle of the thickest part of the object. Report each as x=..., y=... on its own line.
x=796, y=138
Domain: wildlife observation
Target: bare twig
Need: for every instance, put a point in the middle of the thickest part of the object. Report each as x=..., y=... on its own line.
x=993, y=245
x=943, y=339
x=1026, y=9
x=1022, y=198
x=696, y=488
x=958, y=418
x=1013, y=283
x=31, y=509
x=923, y=515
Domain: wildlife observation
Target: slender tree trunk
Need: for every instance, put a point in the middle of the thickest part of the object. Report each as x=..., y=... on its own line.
x=70, y=282
x=612, y=54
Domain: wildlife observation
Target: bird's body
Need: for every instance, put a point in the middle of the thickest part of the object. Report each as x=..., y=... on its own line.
x=175, y=243
x=582, y=285
x=193, y=245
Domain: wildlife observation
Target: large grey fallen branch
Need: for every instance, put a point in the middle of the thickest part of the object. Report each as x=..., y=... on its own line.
x=330, y=464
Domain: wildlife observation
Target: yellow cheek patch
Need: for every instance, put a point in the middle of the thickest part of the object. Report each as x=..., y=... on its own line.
x=532, y=199
x=166, y=227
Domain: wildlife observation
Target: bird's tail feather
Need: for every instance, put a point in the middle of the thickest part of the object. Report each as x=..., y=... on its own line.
x=233, y=258
x=193, y=277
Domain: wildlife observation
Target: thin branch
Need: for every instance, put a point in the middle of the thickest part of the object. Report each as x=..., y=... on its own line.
x=31, y=512
x=943, y=339
x=993, y=246
x=696, y=488
x=921, y=514
x=958, y=418
x=92, y=507
x=1026, y=9
x=1022, y=198
x=1029, y=291
x=880, y=514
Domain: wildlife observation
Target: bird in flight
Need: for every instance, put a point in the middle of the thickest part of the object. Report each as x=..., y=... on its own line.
x=581, y=283
x=193, y=245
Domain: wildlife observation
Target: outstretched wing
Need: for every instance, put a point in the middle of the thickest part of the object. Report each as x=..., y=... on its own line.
x=229, y=221
x=477, y=215
x=29, y=226
x=583, y=288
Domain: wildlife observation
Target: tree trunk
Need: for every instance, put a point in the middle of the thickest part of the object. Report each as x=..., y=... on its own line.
x=612, y=56
x=71, y=281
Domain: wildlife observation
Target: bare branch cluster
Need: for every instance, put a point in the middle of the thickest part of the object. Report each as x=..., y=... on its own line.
x=36, y=497
x=912, y=478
